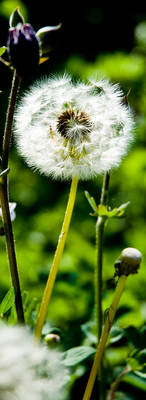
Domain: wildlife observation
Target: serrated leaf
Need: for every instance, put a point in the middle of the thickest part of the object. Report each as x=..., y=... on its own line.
x=2, y=50
x=77, y=354
x=8, y=301
x=91, y=201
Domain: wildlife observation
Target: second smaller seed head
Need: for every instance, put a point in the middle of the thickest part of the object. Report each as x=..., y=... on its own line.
x=128, y=262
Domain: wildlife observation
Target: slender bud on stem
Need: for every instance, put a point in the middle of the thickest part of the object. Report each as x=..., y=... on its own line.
x=131, y=259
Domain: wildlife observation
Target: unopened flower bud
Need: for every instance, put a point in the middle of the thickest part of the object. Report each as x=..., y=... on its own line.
x=23, y=46
x=128, y=262
x=52, y=339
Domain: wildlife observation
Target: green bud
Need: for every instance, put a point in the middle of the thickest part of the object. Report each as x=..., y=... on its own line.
x=52, y=339
x=128, y=262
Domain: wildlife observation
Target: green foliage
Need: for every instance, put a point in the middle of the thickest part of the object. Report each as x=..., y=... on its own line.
x=118, y=67
x=8, y=6
x=2, y=50
x=76, y=355
x=103, y=211
x=7, y=302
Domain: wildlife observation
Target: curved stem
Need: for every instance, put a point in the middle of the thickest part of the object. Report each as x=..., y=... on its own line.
x=5, y=199
x=57, y=258
x=101, y=346
x=111, y=394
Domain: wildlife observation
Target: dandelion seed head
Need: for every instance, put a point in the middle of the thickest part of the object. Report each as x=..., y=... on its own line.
x=28, y=371
x=65, y=129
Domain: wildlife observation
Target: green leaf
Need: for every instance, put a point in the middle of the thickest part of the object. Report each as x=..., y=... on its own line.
x=102, y=210
x=92, y=202
x=77, y=354
x=122, y=209
x=135, y=381
x=122, y=396
x=116, y=334
x=7, y=302
x=141, y=374
x=2, y=50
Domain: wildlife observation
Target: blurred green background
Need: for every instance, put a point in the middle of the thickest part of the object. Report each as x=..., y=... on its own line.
x=94, y=41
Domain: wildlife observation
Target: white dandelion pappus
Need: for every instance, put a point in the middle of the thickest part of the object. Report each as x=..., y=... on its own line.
x=29, y=371
x=65, y=129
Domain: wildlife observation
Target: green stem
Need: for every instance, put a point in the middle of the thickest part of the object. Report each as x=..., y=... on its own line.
x=5, y=199
x=99, y=246
x=98, y=273
x=104, y=336
x=57, y=258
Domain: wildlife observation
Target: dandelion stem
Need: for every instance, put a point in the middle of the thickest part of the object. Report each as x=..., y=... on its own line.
x=57, y=258
x=4, y=198
x=104, y=336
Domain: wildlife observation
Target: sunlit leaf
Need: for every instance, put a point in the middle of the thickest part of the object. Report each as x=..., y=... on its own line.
x=135, y=381
x=7, y=302
x=92, y=202
x=43, y=59
x=116, y=212
x=2, y=50
x=116, y=334
x=77, y=354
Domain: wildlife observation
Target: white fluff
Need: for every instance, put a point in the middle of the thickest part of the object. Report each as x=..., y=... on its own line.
x=29, y=371
x=99, y=151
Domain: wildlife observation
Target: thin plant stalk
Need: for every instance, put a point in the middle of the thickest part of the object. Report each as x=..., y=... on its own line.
x=98, y=272
x=111, y=395
x=4, y=198
x=56, y=260
x=99, y=246
x=104, y=336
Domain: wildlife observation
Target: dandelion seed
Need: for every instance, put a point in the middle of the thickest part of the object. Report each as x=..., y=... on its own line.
x=65, y=129
x=28, y=371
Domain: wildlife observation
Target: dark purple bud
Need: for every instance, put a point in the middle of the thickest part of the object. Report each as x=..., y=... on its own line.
x=23, y=49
